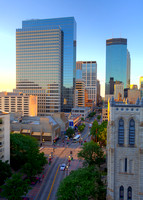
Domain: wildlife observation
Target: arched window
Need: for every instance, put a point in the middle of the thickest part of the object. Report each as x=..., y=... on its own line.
x=121, y=132
x=132, y=132
x=129, y=193
x=121, y=193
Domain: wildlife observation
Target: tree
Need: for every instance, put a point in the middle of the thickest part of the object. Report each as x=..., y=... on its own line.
x=98, y=117
x=102, y=133
x=94, y=129
x=5, y=171
x=81, y=127
x=99, y=132
x=34, y=164
x=15, y=187
x=84, y=183
x=25, y=154
x=92, y=154
x=92, y=114
x=70, y=132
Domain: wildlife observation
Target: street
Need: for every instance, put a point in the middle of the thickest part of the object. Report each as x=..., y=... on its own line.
x=47, y=189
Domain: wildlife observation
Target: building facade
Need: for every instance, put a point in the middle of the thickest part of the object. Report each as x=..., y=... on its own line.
x=133, y=95
x=125, y=151
x=117, y=63
x=46, y=62
x=98, y=92
x=42, y=128
x=141, y=86
x=17, y=102
x=118, y=90
x=4, y=136
x=80, y=93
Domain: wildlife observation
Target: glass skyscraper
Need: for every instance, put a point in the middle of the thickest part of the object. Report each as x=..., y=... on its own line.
x=46, y=62
x=117, y=63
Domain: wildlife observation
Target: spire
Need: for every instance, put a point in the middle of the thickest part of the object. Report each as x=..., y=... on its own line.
x=138, y=101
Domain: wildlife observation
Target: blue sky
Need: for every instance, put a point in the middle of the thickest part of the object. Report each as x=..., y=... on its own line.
x=97, y=20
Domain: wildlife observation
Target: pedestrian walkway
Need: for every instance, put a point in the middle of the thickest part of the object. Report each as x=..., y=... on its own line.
x=34, y=191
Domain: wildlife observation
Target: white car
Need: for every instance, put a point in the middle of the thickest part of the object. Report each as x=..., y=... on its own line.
x=62, y=167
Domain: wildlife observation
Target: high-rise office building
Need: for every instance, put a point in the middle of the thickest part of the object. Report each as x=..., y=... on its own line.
x=89, y=75
x=141, y=82
x=141, y=86
x=117, y=62
x=46, y=62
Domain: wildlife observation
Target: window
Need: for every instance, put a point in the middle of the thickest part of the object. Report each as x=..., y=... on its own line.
x=131, y=166
x=121, y=193
x=125, y=164
x=129, y=193
x=121, y=132
x=131, y=132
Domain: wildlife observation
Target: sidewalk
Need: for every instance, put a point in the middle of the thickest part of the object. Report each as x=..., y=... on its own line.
x=33, y=192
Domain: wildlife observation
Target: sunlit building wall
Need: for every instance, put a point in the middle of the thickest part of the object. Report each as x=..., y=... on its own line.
x=80, y=88
x=46, y=62
x=89, y=75
x=141, y=82
x=133, y=95
x=141, y=86
x=16, y=102
x=118, y=90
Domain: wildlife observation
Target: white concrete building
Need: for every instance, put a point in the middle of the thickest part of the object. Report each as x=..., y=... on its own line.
x=18, y=102
x=125, y=151
x=4, y=136
x=83, y=111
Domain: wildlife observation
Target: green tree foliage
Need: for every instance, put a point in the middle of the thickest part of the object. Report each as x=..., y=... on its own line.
x=94, y=128
x=82, y=184
x=99, y=132
x=5, y=171
x=81, y=127
x=98, y=117
x=92, y=114
x=70, y=132
x=25, y=154
x=92, y=154
x=15, y=187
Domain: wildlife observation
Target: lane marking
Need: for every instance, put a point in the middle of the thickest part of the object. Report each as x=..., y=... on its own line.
x=53, y=184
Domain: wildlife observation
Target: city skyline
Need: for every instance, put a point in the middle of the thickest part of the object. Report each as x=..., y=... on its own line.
x=96, y=22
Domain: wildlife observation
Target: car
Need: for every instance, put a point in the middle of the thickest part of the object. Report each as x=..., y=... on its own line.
x=62, y=167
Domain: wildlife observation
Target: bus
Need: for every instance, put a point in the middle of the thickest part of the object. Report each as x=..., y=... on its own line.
x=76, y=138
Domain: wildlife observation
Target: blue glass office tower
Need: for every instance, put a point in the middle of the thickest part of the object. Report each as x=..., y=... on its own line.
x=46, y=62
x=117, y=63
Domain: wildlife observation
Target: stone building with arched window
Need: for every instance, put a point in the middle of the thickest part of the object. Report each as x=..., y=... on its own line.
x=125, y=151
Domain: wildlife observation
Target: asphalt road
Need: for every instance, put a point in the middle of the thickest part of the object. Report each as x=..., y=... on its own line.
x=55, y=176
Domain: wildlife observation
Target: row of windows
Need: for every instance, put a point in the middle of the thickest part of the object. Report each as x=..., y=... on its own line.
x=127, y=109
x=121, y=193
x=131, y=132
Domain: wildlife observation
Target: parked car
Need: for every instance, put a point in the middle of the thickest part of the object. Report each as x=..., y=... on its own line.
x=62, y=167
